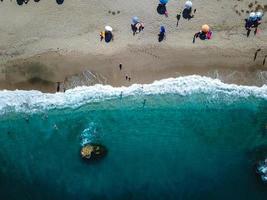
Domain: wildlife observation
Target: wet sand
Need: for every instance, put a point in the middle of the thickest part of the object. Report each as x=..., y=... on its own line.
x=44, y=43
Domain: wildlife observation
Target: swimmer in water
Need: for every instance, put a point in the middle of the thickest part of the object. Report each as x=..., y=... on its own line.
x=144, y=103
x=55, y=127
x=27, y=119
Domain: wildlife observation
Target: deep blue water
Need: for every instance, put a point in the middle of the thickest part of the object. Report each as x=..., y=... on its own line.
x=173, y=147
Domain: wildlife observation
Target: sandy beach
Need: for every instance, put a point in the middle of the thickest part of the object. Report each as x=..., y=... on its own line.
x=44, y=43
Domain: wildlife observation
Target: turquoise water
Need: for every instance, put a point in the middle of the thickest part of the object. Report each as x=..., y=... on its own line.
x=195, y=146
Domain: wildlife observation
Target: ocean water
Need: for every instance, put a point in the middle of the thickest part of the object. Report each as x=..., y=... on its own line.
x=185, y=138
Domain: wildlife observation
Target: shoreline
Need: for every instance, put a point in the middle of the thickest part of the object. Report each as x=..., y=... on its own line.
x=183, y=87
x=144, y=64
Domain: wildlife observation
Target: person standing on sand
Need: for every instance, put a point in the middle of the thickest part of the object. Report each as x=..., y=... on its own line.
x=263, y=63
x=178, y=17
x=102, y=35
x=162, y=33
x=256, y=53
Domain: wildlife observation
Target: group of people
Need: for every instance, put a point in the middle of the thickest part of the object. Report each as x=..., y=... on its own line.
x=107, y=34
x=136, y=25
x=253, y=21
x=204, y=34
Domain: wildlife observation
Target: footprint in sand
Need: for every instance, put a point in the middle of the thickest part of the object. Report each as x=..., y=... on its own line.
x=114, y=12
x=146, y=52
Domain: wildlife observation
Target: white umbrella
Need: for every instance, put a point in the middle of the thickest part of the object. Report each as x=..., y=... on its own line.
x=259, y=15
x=188, y=4
x=253, y=16
x=135, y=20
x=108, y=28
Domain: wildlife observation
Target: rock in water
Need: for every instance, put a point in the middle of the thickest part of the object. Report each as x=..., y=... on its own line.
x=93, y=151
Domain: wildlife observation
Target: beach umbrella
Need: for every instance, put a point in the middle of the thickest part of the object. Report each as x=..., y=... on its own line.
x=163, y=1
x=259, y=15
x=162, y=29
x=108, y=28
x=188, y=4
x=135, y=20
x=205, y=28
x=253, y=16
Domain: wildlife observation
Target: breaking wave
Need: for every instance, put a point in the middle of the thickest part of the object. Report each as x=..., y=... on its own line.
x=34, y=101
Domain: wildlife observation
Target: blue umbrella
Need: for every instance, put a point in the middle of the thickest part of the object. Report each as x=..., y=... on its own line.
x=162, y=29
x=163, y=1
x=135, y=20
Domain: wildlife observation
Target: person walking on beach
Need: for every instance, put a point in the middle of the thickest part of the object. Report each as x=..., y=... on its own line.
x=162, y=34
x=263, y=63
x=204, y=34
x=58, y=86
x=178, y=17
x=256, y=53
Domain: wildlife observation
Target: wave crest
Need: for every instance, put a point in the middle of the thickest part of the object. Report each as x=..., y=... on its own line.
x=33, y=101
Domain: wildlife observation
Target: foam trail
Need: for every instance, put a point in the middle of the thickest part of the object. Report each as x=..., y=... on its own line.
x=89, y=134
x=34, y=101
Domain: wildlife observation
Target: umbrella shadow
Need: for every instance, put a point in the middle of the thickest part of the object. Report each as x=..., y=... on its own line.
x=161, y=9
x=20, y=2
x=108, y=37
x=187, y=14
x=161, y=37
x=60, y=1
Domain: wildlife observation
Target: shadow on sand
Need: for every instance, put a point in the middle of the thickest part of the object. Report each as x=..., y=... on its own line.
x=20, y=2
x=108, y=37
x=60, y=1
x=161, y=9
x=161, y=37
x=187, y=14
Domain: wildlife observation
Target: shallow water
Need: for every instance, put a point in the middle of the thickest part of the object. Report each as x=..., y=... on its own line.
x=193, y=145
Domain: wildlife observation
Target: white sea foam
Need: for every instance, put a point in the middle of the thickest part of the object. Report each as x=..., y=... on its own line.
x=89, y=134
x=32, y=101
